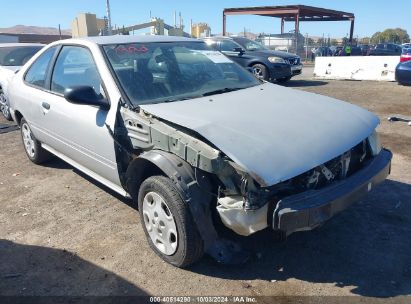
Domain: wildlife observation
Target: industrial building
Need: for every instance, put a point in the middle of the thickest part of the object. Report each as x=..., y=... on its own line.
x=199, y=30
x=87, y=24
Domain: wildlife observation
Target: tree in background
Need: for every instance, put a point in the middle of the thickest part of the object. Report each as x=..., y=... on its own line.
x=365, y=40
x=397, y=35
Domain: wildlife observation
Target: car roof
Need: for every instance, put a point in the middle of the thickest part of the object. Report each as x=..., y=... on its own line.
x=218, y=38
x=123, y=39
x=19, y=44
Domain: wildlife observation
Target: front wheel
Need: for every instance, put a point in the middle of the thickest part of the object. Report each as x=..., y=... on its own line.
x=5, y=109
x=32, y=146
x=168, y=223
x=260, y=71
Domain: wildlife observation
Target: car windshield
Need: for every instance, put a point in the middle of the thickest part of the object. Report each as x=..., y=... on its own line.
x=171, y=71
x=406, y=51
x=17, y=55
x=250, y=45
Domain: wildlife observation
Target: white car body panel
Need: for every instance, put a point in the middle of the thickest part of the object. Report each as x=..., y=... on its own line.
x=86, y=144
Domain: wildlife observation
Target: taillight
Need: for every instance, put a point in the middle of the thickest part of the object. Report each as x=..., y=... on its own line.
x=405, y=57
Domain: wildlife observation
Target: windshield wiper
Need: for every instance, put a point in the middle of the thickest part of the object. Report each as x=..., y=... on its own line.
x=221, y=91
x=179, y=99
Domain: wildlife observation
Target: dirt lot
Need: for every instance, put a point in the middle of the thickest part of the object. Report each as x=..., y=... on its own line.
x=63, y=234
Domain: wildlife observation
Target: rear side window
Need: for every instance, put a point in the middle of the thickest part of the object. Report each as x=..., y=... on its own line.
x=37, y=73
x=74, y=67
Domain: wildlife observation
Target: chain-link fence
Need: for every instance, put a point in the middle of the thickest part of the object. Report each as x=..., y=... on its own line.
x=310, y=46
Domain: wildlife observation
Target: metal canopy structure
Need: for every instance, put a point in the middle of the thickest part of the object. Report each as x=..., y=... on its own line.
x=293, y=13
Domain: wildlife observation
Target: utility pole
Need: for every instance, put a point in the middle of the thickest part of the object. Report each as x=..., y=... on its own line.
x=109, y=30
x=175, y=19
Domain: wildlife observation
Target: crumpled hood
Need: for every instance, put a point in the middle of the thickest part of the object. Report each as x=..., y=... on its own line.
x=274, y=133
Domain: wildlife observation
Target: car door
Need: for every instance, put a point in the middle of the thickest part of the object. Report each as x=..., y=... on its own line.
x=34, y=91
x=228, y=47
x=79, y=132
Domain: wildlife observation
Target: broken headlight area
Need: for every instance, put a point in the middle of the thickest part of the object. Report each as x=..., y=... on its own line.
x=332, y=171
x=246, y=213
x=375, y=143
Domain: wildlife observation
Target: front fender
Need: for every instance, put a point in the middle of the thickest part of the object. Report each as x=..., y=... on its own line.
x=198, y=197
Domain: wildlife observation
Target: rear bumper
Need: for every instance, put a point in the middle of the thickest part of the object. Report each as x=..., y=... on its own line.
x=403, y=76
x=307, y=210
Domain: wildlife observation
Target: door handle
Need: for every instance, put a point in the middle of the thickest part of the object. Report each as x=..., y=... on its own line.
x=45, y=105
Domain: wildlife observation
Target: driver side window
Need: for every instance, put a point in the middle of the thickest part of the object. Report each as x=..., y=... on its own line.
x=228, y=46
x=74, y=67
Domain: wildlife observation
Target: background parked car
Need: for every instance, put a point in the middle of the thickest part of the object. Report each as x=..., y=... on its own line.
x=266, y=64
x=12, y=57
x=406, y=55
x=292, y=59
x=365, y=49
x=323, y=51
x=386, y=49
x=335, y=50
x=403, y=73
x=356, y=51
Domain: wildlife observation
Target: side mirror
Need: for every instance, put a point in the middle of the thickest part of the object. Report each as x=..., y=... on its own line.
x=239, y=50
x=85, y=95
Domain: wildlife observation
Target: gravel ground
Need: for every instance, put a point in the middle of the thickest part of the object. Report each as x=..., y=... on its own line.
x=63, y=234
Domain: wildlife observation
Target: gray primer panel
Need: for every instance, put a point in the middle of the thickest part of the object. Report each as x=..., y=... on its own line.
x=273, y=132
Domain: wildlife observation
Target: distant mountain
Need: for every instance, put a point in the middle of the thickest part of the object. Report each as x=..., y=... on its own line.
x=24, y=29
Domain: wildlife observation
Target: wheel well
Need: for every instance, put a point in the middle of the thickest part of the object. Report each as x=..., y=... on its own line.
x=18, y=116
x=139, y=170
x=257, y=62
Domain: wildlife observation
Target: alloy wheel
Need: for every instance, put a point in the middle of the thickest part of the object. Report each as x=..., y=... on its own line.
x=4, y=106
x=258, y=72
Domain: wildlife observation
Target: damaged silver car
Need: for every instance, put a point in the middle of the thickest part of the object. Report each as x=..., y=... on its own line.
x=194, y=139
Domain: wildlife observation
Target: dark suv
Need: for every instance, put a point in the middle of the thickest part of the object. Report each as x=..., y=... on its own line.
x=266, y=64
x=386, y=49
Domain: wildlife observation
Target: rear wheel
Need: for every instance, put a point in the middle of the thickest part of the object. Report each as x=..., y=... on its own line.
x=260, y=71
x=167, y=222
x=32, y=146
x=5, y=109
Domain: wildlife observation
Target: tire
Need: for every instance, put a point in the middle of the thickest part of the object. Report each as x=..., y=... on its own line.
x=260, y=71
x=5, y=109
x=32, y=146
x=180, y=245
x=283, y=80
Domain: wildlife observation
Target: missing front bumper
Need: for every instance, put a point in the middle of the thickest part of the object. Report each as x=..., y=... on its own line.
x=307, y=210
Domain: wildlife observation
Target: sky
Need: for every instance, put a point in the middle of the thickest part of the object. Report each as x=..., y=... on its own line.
x=371, y=16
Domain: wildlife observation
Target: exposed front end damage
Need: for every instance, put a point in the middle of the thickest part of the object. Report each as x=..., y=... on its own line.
x=245, y=204
x=201, y=172
x=289, y=203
